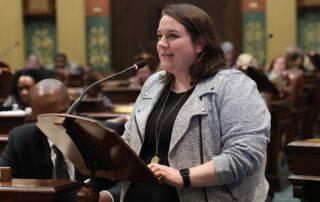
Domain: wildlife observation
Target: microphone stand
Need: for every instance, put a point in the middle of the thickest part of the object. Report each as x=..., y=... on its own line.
x=76, y=103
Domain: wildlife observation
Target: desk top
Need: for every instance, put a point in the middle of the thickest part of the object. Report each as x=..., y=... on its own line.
x=38, y=185
x=315, y=142
x=305, y=146
x=309, y=178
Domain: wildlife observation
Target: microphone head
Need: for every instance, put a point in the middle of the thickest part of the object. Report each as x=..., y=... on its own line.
x=140, y=64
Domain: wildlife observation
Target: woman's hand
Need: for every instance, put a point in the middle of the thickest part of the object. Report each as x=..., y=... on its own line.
x=200, y=176
x=167, y=174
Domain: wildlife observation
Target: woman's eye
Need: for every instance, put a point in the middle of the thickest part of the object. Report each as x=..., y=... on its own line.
x=172, y=36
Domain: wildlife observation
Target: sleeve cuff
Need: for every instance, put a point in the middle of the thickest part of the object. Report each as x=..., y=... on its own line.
x=223, y=169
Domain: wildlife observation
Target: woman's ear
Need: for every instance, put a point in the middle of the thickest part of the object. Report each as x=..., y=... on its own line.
x=200, y=44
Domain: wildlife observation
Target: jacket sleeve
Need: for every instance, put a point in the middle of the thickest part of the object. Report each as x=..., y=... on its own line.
x=8, y=157
x=245, y=128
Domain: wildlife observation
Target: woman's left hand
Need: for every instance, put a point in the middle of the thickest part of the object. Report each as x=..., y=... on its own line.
x=167, y=174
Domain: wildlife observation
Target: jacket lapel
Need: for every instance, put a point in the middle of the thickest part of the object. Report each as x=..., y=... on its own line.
x=42, y=164
x=149, y=99
x=194, y=106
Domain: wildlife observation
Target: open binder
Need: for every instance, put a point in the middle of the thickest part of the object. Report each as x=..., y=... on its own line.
x=94, y=149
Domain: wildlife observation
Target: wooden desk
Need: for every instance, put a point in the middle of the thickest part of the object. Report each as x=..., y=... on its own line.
x=32, y=190
x=304, y=158
x=306, y=187
x=91, y=105
x=121, y=94
x=74, y=92
x=9, y=122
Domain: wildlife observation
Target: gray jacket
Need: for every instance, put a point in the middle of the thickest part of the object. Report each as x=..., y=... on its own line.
x=235, y=133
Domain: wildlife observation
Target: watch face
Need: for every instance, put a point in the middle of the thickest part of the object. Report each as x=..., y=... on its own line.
x=185, y=171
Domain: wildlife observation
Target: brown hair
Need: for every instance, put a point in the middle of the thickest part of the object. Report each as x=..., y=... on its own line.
x=200, y=27
x=273, y=61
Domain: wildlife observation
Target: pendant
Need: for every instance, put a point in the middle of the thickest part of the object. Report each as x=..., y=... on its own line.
x=155, y=159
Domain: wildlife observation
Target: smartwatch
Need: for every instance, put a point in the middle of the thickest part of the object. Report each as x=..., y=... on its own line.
x=185, y=172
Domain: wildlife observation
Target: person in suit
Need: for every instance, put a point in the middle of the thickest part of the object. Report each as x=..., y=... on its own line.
x=29, y=153
x=201, y=127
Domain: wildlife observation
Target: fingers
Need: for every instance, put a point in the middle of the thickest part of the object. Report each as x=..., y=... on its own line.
x=156, y=169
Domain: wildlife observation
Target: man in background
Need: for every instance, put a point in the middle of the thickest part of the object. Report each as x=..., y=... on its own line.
x=30, y=154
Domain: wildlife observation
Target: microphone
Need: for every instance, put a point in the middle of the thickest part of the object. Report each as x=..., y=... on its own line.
x=138, y=65
x=270, y=36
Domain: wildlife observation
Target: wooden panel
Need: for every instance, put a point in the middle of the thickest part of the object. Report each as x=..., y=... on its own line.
x=97, y=8
x=304, y=158
x=135, y=22
x=308, y=3
x=306, y=187
x=303, y=155
x=232, y=24
x=38, y=7
x=91, y=105
x=253, y=5
x=9, y=122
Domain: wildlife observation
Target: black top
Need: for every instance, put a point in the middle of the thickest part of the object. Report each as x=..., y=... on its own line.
x=157, y=193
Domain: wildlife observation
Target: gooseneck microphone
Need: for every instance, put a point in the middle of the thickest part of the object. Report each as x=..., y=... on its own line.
x=138, y=65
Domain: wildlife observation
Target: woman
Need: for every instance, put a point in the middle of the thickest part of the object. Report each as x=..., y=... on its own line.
x=20, y=85
x=201, y=128
x=278, y=74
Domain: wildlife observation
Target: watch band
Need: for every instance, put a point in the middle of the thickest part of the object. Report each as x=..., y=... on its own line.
x=185, y=172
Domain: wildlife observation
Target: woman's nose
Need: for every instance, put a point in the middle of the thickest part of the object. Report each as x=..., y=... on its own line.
x=162, y=42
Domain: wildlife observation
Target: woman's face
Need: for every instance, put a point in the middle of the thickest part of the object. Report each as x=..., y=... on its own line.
x=176, y=50
x=25, y=83
x=279, y=64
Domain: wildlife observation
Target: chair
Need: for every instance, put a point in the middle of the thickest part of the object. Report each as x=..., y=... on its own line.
x=5, y=78
x=277, y=168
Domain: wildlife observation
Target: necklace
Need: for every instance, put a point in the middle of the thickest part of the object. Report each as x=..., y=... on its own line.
x=156, y=158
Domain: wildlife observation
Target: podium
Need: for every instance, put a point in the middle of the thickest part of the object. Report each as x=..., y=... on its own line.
x=94, y=149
